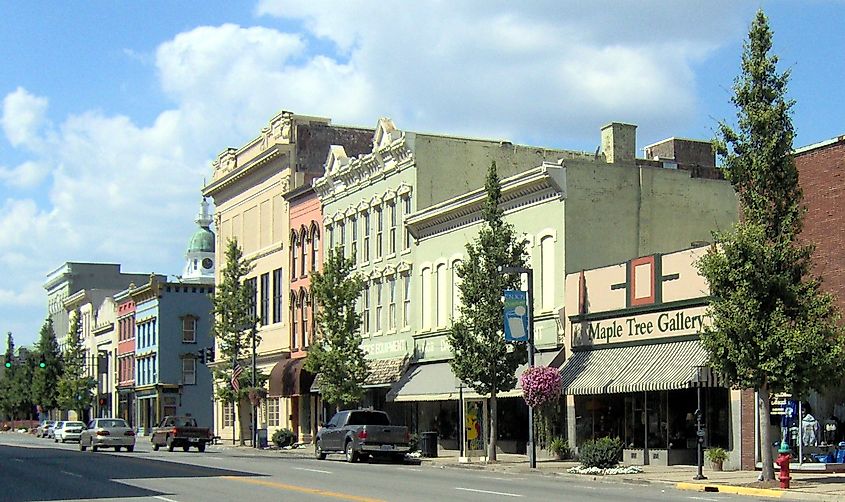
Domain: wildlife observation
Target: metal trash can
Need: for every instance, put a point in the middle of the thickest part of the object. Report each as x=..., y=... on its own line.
x=262, y=438
x=428, y=444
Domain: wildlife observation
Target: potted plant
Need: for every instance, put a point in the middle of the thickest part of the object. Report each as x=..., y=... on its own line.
x=717, y=457
x=559, y=447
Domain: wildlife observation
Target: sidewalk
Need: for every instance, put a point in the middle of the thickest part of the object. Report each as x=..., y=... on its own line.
x=805, y=486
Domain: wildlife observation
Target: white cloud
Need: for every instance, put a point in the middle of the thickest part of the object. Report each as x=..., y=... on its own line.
x=23, y=117
x=26, y=175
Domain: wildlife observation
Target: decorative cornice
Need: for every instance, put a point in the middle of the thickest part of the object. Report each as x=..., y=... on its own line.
x=548, y=181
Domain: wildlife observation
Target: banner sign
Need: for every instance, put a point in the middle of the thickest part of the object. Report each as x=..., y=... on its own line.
x=516, y=316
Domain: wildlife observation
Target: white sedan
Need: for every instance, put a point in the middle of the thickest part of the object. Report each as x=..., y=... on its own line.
x=69, y=431
x=107, y=433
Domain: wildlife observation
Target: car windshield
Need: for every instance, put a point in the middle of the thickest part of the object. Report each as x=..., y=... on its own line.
x=108, y=424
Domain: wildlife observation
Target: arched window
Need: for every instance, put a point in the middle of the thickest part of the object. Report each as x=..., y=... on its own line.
x=456, y=292
x=547, y=273
x=293, y=254
x=303, y=238
x=440, y=295
x=425, y=297
x=303, y=317
x=315, y=246
x=294, y=304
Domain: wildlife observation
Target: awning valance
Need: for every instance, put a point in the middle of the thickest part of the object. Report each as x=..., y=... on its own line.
x=635, y=368
x=288, y=378
x=436, y=382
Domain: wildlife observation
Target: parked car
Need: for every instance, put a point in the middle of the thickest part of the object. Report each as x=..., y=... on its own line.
x=51, y=431
x=181, y=431
x=361, y=433
x=42, y=428
x=69, y=431
x=107, y=433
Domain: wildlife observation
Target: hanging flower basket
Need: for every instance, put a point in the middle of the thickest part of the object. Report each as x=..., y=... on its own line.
x=540, y=385
x=256, y=395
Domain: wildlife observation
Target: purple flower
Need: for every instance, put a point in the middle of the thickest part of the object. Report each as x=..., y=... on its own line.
x=540, y=385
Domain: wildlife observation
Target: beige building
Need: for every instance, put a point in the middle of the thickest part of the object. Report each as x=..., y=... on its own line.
x=247, y=187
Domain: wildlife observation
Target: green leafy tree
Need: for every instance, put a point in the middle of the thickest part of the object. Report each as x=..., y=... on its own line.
x=773, y=328
x=75, y=386
x=482, y=358
x=233, y=327
x=44, y=391
x=20, y=390
x=336, y=353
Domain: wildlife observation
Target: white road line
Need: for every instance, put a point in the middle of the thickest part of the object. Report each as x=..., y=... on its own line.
x=701, y=498
x=412, y=469
x=71, y=474
x=501, y=479
x=165, y=499
x=504, y=494
x=312, y=470
x=17, y=459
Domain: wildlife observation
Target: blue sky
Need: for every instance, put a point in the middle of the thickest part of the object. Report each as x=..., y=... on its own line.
x=112, y=111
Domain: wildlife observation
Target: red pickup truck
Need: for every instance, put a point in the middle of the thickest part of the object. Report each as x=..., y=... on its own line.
x=181, y=431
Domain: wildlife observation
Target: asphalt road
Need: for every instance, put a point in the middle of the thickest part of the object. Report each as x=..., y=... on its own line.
x=38, y=469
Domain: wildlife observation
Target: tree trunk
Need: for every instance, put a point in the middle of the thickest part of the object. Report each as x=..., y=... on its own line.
x=491, y=446
x=241, y=423
x=764, y=406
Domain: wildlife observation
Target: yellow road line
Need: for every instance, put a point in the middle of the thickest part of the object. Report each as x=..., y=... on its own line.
x=302, y=489
x=736, y=490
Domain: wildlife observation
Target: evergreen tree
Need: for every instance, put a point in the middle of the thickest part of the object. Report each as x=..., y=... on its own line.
x=482, y=358
x=44, y=391
x=20, y=389
x=773, y=328
x=336, y=353
x=6, y=404
x=233, y=327
x=75, y=386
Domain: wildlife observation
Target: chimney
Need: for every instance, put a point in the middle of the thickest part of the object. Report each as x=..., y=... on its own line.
x=688, y=152
x=619, y=142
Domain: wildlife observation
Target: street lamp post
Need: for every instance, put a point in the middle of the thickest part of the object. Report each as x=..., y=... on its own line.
x=254, y=385
x=700, y=379
x=532, y=447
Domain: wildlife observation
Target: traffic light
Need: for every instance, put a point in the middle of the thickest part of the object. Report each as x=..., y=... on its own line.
x=42, y=363
x=201, y=355
x=209, y=354
x=8, y=364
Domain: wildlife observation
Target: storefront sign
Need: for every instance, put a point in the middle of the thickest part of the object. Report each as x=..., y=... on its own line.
x=381, y=348
x=646, y=326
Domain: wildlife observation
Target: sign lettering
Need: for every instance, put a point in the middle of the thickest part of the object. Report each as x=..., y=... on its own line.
x=640, y=327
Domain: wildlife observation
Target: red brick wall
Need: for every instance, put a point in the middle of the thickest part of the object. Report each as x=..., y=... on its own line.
x=822, y=177
x=746, y=423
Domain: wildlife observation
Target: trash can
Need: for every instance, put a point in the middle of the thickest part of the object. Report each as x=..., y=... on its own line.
x=262, y=438
x=428, y=444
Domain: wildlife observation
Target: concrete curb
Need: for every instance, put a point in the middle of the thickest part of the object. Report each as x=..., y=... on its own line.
x=735, y=490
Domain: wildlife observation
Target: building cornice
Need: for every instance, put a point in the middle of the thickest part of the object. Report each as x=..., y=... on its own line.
x=547, y=181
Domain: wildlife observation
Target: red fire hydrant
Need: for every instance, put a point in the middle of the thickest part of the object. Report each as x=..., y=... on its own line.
x=783, y=462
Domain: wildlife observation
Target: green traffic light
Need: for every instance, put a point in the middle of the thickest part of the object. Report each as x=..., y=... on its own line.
x=8, y=364
x=42, y=364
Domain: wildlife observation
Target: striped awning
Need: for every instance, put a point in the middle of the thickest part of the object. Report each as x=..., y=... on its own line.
x=635, y=368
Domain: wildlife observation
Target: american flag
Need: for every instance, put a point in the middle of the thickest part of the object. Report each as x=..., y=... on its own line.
x=236, y=386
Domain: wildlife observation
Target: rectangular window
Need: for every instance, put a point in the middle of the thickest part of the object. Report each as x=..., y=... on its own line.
x=265, y=299
x=391, y=309
x=228, y=415
x=189, y=329
x=277, y=295
x=406, y=307
x=294, y=339
x=342, y=231
x=425, y=298
x=379, y=231
x=354, y=247
x=331, y=238
x=392, y=236
x=378, y=305
x=365, y=315
x=251, y=284
x=315, y=246
x=189, y=371
x=273, y=412
x=366, y=236
x=407, y=202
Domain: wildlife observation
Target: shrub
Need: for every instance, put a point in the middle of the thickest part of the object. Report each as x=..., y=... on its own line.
x=602, y=453
x=283, y=437
x=716, y=455
x=560, y=447
x=414, y=443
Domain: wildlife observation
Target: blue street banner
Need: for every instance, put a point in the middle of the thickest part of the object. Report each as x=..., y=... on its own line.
x=516, y=316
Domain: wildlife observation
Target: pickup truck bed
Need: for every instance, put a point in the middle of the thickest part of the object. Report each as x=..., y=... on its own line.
x=361, y=433
x=181, y=432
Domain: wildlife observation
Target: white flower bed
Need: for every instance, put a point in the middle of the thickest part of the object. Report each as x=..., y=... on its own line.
x=595, y=471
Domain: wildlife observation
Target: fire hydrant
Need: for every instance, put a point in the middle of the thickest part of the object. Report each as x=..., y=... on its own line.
x=783, y=462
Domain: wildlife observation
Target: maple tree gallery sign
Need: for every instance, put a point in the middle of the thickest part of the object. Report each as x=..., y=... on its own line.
x=645, y=326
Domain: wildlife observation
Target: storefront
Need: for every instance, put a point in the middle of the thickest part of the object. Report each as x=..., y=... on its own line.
x=290, y=390
x=635, y=367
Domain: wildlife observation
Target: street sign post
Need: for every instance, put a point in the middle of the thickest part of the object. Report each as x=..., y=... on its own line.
x=516, y=316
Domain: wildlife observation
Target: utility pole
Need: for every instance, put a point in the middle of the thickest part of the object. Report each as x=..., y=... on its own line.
x=254, y=385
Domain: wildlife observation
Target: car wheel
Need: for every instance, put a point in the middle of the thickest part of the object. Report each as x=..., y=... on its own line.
x=55, y=440
x=94, y=447
x=130, y=449
x=117, y=448
x=63, y=440
x=319, y=454
x=170, y=444
x=399, y=458
x=186, y=448
x=156, y=447
x=351, y=454
x=201, y=447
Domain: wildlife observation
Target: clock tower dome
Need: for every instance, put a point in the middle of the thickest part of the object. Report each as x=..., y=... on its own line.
x=199, y=259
